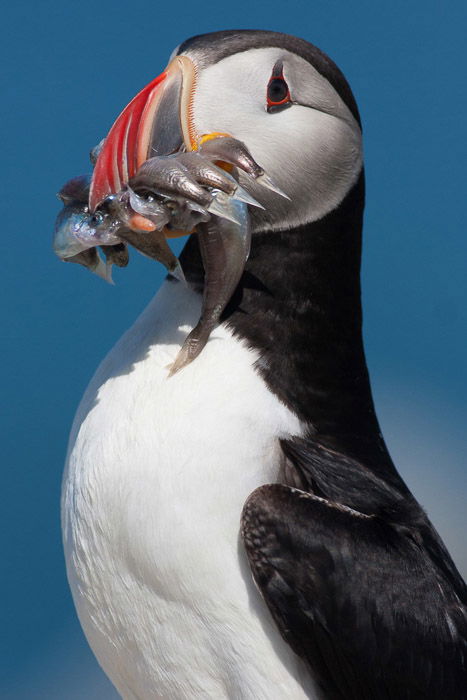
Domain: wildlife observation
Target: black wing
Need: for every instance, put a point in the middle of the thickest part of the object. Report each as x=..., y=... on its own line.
x=358, y=581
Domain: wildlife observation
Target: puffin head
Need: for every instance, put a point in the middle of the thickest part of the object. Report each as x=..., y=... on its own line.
x=281, y=96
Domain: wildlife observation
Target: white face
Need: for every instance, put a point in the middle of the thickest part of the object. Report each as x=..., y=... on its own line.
x=312, y=149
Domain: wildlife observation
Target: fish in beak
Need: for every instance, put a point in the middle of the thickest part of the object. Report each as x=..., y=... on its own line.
x=159, y=122
x=155, y=178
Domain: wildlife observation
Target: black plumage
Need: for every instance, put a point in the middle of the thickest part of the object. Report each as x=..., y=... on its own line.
x=373, y=604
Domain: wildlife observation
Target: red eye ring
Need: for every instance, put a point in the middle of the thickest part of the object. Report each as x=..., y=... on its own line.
x=278, y=93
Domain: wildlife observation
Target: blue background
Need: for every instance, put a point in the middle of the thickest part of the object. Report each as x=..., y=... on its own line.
x=68, y=69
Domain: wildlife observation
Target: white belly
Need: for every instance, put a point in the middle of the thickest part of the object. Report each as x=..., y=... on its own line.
x=157, y=475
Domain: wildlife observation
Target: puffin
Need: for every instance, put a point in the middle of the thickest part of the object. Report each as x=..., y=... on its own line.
x=237, y=529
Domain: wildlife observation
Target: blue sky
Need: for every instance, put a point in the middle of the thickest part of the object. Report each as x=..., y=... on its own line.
x=68, y=69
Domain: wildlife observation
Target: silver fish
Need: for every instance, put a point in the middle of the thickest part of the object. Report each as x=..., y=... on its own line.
x=185, y=192
x=225, y=246
x=77, y=231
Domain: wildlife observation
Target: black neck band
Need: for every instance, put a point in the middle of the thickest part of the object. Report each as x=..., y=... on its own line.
x=298, y=303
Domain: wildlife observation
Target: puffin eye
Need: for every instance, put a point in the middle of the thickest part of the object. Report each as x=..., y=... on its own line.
x=278, y=93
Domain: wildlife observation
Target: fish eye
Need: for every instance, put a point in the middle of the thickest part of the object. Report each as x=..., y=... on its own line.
x=278, y=93
x=96, y=219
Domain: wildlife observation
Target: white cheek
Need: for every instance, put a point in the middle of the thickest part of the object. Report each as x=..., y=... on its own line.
x=313, y=156
x=231, y=106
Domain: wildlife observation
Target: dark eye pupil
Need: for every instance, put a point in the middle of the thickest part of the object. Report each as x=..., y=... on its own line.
x=277, y=90
x=96, y=219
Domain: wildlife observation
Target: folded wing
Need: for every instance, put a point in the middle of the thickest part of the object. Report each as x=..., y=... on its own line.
x=358, y=581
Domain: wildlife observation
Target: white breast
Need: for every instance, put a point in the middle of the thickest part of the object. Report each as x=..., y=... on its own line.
x=157, y=474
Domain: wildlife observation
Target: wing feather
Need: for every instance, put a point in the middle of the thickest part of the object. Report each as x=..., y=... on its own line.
x=368, y=596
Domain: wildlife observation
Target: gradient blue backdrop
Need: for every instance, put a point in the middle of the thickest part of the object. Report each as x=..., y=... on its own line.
x=68, y=69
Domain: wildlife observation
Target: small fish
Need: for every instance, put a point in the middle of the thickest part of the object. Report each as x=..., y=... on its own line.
x=225, y=246
x=154, y=245
x=141, y=222
x=78, y=233
x=77, y=230
x=229, y=150
x=193, y=192
x=122, y=218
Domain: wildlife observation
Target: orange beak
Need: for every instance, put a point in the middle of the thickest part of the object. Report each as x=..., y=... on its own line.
x=156, y=122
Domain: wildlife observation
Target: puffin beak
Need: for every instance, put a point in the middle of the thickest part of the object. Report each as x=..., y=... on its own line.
x=156, y=122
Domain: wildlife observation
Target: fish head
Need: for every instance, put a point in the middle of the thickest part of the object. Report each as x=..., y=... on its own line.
x=77, y=230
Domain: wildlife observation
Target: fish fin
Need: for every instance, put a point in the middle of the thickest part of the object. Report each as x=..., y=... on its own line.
x=266, y=181
x=177, y=272
x=103, y=270
x=221, y=205
x=243, y=196
x=191, y=348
